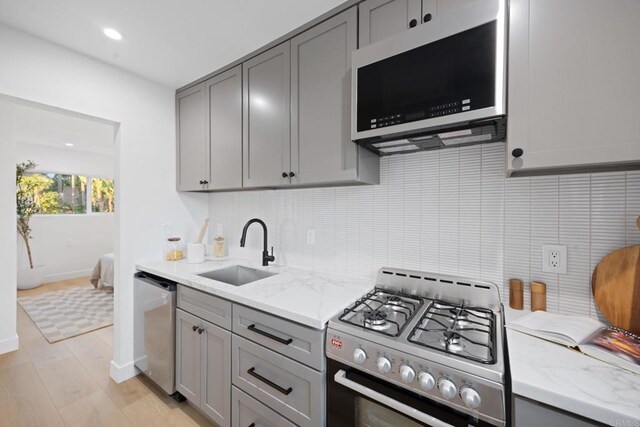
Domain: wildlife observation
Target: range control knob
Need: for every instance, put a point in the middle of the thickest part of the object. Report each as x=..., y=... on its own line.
x=470, y=397
x=359, y=356
x=448, y=389
x=407, y=374
x=384, y=366
x=426, y=380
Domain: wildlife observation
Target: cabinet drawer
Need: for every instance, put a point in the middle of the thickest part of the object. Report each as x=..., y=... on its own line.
x=306, y=345
x=247, y=411
x=286, y=386
x=205, y=306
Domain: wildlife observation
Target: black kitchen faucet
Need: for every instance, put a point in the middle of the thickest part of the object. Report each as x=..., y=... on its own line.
x=266, y=258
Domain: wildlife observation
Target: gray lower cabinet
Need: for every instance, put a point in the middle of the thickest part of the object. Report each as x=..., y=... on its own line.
x=529, y=413
x=266, y=128
x=290, y=388
x=191, y=143
x=247, y=411
x=203, y=366
x=321, y=148
x=224, y=129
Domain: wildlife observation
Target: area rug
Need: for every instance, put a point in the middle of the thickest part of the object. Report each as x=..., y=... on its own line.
x=64, y=314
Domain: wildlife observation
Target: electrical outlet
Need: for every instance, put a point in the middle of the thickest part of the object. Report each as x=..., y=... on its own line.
x=167, y=230
x=554, y=259
x=311, y=236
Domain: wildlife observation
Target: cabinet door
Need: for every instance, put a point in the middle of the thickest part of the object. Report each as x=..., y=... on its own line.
x=266, y=128
x=224, y=130
x=188, y=354
x=216, y=370
x=191, y=138
x=321, y=147
x=380, y=19
x=574, y=92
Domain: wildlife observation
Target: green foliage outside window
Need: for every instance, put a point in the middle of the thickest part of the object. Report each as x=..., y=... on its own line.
x=56, y=194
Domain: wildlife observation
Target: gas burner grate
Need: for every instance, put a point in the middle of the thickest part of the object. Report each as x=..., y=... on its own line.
x=464, y=331
x=382, y=311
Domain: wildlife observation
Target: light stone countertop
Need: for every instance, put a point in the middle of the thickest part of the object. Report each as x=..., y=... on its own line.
x=302, y=296
x=569, y=380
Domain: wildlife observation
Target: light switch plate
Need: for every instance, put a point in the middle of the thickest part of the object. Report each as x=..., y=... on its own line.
x=311, y=236
x=554, y=259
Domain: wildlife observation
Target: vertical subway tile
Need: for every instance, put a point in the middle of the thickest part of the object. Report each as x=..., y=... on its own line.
x=449, y=211
x=492, y=214
x=544, y=230
x=411, y=215
x=470, y=211
x=429, y=211
x=517, y=230
x=608, y=220
x=575, y=218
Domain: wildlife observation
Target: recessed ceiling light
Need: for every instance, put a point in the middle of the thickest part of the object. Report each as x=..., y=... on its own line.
x=112, y=34
x=68, y=144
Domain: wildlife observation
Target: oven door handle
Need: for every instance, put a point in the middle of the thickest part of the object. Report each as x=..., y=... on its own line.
x=341, y=378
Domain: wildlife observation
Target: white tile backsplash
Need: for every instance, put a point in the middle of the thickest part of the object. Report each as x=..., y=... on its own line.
x=450, y=211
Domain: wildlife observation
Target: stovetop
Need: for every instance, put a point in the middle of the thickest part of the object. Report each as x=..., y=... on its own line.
x=465, y=331
x=444, y=319
x=381, y=311
x=437, y=336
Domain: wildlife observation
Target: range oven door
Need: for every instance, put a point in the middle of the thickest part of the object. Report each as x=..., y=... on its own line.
x=355, y=399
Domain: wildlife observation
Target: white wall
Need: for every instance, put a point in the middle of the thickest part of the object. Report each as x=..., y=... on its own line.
x=450, y=211
x=68, y=245
x=8, y=336
x=42, y=72
x=52, y=159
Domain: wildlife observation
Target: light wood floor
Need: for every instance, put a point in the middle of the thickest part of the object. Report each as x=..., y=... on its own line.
x=68, y=383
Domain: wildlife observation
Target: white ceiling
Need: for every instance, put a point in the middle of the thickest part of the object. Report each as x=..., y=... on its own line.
x=172, y=42
x=40, y=126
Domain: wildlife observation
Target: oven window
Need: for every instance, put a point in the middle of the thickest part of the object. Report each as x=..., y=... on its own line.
x=371, y=414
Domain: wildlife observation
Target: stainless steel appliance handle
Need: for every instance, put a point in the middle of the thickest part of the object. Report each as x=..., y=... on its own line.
x=341, y=378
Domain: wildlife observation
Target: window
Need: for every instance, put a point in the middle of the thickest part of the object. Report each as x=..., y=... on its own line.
x=60, y=194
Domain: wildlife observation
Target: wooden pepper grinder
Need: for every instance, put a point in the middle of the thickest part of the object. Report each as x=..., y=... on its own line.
x=516, y=294
x=538, y=296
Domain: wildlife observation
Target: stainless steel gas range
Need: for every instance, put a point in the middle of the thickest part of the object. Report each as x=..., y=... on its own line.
x=420, y=349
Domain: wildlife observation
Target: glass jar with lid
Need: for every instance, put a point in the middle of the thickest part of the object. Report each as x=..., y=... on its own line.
x=173, y=249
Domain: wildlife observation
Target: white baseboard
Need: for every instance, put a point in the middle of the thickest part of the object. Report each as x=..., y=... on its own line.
x=68, y=275
x=122, y=373
x=8, y=345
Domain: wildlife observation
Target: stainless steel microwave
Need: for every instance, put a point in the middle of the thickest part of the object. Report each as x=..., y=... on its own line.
x=440, y=84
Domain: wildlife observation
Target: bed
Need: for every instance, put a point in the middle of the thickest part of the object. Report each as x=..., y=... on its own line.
x=102, y=275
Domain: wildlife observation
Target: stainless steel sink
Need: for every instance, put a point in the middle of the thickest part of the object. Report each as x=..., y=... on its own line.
x=237, y=275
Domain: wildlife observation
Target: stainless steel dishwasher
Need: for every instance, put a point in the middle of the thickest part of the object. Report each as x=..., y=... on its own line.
x=154, y=332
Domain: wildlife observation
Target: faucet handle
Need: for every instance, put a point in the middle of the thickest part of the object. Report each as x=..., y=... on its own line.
x=271, y=250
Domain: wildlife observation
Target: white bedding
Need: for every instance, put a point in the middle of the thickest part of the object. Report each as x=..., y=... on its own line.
x=103, y=272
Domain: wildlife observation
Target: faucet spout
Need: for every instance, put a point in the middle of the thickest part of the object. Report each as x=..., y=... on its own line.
x=266, y=258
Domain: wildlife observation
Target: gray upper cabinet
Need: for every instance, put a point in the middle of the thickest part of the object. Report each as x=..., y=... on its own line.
x=191, y=138
x=321, y=147
x=380, y=19
x=224, y=130
x=266, y=128
x=576, y=103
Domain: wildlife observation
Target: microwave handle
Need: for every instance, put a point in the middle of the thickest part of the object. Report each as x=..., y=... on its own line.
x=341, y=378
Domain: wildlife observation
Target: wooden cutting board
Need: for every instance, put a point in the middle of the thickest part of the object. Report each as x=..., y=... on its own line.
x=616, y=287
